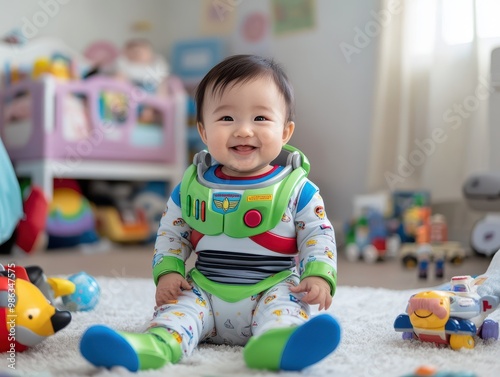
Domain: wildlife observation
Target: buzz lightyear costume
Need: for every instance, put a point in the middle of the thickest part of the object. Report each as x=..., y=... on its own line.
x=248, y=235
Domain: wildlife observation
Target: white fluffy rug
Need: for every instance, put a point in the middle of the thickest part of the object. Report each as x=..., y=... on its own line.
x=369, y=347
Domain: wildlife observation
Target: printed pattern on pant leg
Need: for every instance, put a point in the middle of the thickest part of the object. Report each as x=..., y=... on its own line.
x=232, y=320
x=189, y=319
x=278, y=307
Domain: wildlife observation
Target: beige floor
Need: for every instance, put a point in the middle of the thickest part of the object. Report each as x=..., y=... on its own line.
x=135, y=261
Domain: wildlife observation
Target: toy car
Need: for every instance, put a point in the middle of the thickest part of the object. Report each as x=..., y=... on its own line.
x=451, y=317
x=129, y=225
x=453, y=252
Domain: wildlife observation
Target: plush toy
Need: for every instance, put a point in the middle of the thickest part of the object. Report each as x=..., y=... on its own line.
x=26, y=316
x=70, y=221
x=139, y=64
x=23, y=230
x=31, y=234
x=11, y=208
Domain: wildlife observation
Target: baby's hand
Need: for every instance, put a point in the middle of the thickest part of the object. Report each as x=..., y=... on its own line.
x=317, y=291
x=169, y=287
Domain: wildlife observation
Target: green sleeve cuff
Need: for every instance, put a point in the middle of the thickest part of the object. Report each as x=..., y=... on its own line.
x=167, y=265
x=322, y=270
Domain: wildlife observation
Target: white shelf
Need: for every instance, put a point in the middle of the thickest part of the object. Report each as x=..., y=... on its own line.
x=42, y=172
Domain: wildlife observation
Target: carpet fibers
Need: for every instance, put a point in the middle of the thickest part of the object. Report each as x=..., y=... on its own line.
x=369, y=346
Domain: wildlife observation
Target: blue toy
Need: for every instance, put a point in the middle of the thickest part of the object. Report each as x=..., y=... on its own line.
x=11, y=205
x=86, y=295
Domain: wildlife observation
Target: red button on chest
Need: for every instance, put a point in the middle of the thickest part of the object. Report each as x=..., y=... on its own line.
x=252, y=218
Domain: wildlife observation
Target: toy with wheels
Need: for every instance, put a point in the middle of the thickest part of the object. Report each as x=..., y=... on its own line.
x=451, y=317
x=431, y=243
x=117, y=218
x=485, y=235
x=482, y=193
x=452, y=252
x=27, y=317
x=122, y=226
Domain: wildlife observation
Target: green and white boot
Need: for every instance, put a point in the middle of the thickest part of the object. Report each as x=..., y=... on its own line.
x=105, y=347
x=293, y=348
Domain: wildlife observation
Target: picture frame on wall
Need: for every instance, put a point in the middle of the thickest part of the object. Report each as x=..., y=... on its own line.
x=192, y=59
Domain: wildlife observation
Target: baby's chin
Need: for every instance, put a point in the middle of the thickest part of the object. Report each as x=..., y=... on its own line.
x=245, y=172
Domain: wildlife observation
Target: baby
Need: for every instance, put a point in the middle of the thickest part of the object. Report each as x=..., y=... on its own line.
x=265, y=248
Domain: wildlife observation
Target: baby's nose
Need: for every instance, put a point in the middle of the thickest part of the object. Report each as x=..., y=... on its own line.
x=244, y=129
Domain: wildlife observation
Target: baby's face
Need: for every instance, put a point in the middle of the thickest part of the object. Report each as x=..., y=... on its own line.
x=245, y=126
x=139, y=53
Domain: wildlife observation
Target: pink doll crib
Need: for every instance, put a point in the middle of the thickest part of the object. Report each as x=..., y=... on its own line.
x=99, y=128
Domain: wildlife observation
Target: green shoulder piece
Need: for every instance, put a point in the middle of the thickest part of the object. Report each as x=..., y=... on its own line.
x=304, y=161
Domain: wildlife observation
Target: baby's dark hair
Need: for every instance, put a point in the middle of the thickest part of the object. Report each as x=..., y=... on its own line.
x=239, y=69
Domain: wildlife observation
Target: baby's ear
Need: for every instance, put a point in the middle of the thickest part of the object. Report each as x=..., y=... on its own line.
x=202, y=132
x=288, y=131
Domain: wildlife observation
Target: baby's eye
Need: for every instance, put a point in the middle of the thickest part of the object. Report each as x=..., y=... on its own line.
x=260, y=118
x=226, y=118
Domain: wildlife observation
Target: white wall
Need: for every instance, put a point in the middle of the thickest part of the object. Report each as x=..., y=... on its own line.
x=80, y=22
x=334, y=96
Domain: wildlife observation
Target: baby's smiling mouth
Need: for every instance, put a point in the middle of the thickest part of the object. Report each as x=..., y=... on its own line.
x=243, y=148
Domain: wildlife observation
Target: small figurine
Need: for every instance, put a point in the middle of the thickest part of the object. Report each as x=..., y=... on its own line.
x=425, y=256
x=450, y=317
